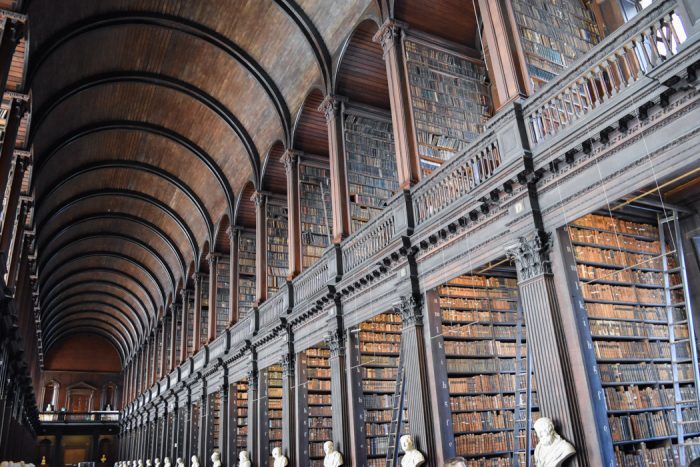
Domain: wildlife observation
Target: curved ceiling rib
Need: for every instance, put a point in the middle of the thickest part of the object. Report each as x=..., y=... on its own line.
x=168, y=22
x=103, y=306
x=85, y=312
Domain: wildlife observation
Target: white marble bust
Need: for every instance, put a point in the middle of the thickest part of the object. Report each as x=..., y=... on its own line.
x=280, y=460
x=140, y=463
x=333, y=458
x=156, y=461
x=216, y=459
x=148, y=463
x=412, y=457
x=194, y=462
x=552, y=450
x=166, y=462
x=244, y=459
x=179, y=462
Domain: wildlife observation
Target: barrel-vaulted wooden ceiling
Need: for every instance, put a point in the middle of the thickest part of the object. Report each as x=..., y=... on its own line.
x=150, y=119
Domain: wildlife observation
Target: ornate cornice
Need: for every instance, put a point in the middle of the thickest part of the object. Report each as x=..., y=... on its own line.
x=531, y=255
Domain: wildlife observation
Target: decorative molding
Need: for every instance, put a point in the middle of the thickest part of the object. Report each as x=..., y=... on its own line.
x=531, y=255
x=290, y=159
x=329, y=106
x=411, y=310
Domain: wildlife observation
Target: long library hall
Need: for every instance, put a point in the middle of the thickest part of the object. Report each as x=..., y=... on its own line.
x=368, y=233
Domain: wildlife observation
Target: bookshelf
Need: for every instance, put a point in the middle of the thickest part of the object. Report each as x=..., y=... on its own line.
x=214, y=422
x=240, y=396
x=277, y=262
x=449, y=98
x=194, y=427
x=204, y=300
x=631, y=293
x=316, y=211
x=190, y=323
x=315, y=392
x=553, y=34
x=246, y=273
x=371, y=164
x=271, y=379
x=493, y=399
x=222, y=293
x=378, y=341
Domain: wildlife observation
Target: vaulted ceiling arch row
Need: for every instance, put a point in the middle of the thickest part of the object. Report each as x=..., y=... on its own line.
x=89, y=327
x=82, y=312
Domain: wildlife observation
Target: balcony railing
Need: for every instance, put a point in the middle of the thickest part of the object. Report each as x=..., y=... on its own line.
x=101, y=416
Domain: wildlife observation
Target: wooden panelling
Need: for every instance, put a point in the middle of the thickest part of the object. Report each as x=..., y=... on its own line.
x=245, y=214
x=453, y=20
x=274, y=175
x=311, y=134
x=83, y=353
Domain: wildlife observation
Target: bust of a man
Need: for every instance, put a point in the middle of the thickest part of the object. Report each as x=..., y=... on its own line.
x=157, y=462
x=280, y=460
x=412, y=457
x=148, y=463
x=333, y=458
x=166, y=462
x=552, y=450
x=216, y=459
x=244, y=459
x=179, y=462
x=194, y=462
x=140, y=463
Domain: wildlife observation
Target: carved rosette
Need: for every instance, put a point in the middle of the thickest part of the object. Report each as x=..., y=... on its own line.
x=411, y=310
x=531, y=255
x=287, y=365
x=335, y=342
x=290, y=159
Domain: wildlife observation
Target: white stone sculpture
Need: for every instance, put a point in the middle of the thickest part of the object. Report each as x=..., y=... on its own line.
x=166, y=462
x=552, y=450
x=456, y=462
x=244, y=459
x=194, y=462
x=333, y=458
x=412, y=457
x=179, y=462
x=140, y=463
x=280, y=460
x=216, y=459
x=156, y=461
x=149, y=463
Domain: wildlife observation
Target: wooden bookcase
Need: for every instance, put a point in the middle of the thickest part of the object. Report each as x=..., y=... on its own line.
x=178, y=332
x=635, y=321
x=222, y=293
x=213, y=422
x=277, y=262
x=553, y=35
x=378, y=343
x=239, y=393
x=246, y=273
x=493, y=398
x=370, y=162
x=190, y=324
x=316, y=210
x=204, y=300
x=271, y=411
x=450, y=100
x=196, y=414
x=314, y=390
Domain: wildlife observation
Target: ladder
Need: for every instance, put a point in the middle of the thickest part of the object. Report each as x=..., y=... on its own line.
x=392, y=453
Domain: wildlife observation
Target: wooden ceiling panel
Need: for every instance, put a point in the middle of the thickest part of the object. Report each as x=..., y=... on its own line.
x=336, y=25
x=245, y=213
x=223, y=242
x=274, y=175
x=362, y=72
x=311, y=133
x=454, y=20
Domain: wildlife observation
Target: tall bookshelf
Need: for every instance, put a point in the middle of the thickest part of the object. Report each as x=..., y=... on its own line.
x=246, y=273
x=316, y=211
x=493, y=398
x=240, y=396
x=553, y=34
x=271, y=386
x=378, y=341
x=277, y=262
x=204, y=300
x=196, y=419
x=315, y=391
x=371, y=163
x=640, y=345
x=190, y=323
x=214, y=422
x=223, y=286
x=449, y=98
x=178, y=332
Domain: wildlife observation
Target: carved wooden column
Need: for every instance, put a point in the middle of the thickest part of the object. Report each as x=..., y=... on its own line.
x=174, y=313
x=137, y=375
x=503, y=52
x=7, y=151
x=202, y=437
x=547, y=345
x=233, y=235
x=254, y=445
x=18, y=248
x=224, y=421
x=407, y=161
x=340, y=200
x=174, y=445
x=12, y=33
x=260, y=201
x=153, y=374
x=197, y=324
x=288, y=400
x=339, y=392
x=420, y=421
x=189, y=448
x=213, y=259
x=164, y=334
x=184, y=294
x=144, y=368
x=9, y=217
x=290, y=159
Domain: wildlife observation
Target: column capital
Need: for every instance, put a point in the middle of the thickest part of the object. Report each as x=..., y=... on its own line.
x=290, y=158
x=258, y=198
x=411, y=310
x=212, y=257
x=252, y=376
x=288, y=365
x=531, y=255
x=330, y=105
x=388, y=33
x=335, y=342
x=232, y=231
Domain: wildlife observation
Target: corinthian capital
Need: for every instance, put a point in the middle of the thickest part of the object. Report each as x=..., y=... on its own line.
x=531, y=255
x=411, y=310
x=388, y=33
x=290, y=159
x=258, y=198
x=329, y=107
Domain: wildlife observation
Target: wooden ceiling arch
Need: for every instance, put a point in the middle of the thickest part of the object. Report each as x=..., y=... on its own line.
x=274, y=176
x=85, y=312
x=311, y=129
x=88, y=327
x=222, y=243
x=454, y=20
x=245, y=208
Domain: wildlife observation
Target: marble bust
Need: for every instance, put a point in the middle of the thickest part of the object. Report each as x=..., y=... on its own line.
x=412, y=457
x=166, y=462
x=333, y=458
x=194, y=462
x=140, y=463
x=552, y=450
x=148, y=463
x=179, y=462
x=280, y=460
x=244, y=459
x=156, y=462
x=456, y=462
x=216, y=459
